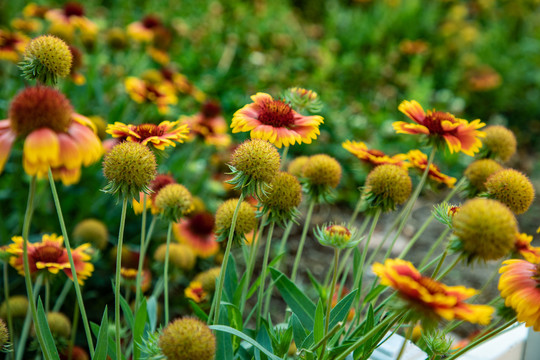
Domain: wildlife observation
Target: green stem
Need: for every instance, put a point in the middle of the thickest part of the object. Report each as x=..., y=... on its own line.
x=62, y=297
x=284, y=155
x=439, y=265
x=217, y=304
x=302, y=240
x=408, y=335
x=74, y=330
x=369, y=335
x=360, y=270
x=27, y=321
x=72, y=265
x=166, y=274
x=263, y=272
x=482, y=339
x=330, y=298
x=117, y=279
x=251, y=262
x=8, y=312
x=449, y=268
x=142, y=250
x=47, y=293
x=356, y=211
x=434, y=246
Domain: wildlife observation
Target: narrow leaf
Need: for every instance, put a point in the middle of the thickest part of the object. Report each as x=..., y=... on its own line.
x=101, y=346
x=230, y=330
x=48, y=340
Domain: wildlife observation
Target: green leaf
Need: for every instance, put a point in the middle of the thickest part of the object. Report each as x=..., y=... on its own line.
x=231, y=280
x=101, y=346
x=373, y=293
x=299, y=333
x=128, y=314
x=264, y=340
x=318, y=327
x=321, y=290
x=138, y=329
x=253, y=289
x=151, y=309
x=299, y=303
x=241, y=335
x=341, y=310
x=224, y=350
x=200, y=313
x=48, y=346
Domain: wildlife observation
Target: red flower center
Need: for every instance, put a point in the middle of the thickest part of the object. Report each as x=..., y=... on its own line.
x=433, y=286
x=211, y=109
x=148, y=130
x=202, y=224
x=8, y=41
x=73, y=9
x=159, y=183
x=151, y=21
x=276, y=113
x=48, y=253
x=375, y=152
x=434, y=121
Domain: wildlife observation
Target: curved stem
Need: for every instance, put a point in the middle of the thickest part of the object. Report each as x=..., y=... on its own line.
x=302, y=240
x=217, y=304
x=8, y=312
x=47, y=293
x=62, y=297
x=142, y=250
x=263, y=272
x=330, y=298
x=251, y=262
x=408, y=335
x=356, y=211
x=166, y=274
x=74, y=330
x=72, y=265
x=117, y=279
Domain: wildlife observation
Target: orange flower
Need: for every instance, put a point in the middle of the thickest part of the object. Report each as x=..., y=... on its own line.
x=524, y=248
x=144, y=30
x=165, y=134
x=70, y=18
x=519, y=285
x=12, y=45
x=275, y=121
x=142, y=91
x=419, y=160
x=130, y=276
x=197, y=231
x=50, y=255
x=209, y=124
x=372, y=156
x=429, y=296
x=459, y=134
x=196, y=292
x=55, y=136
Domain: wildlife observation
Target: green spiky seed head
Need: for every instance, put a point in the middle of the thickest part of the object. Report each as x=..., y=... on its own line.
x=180, y=256
x=18, y=305
x=285, y=194
x=37, y=107
x=486, y=229
x=59, y=324
x=174, y=200
x=388, y=185
x=257, y=159
x=47, y=58
x=322, y=170
x=208, y=278
x=129, y=167
x=4, y=334
x=499, y=142
x=245, y=221
x=91, y=231
x=296, y=167
x=512, y=188
x=478, y=172
x=188, y=339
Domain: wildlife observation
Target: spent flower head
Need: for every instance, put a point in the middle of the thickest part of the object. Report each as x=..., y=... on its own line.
x=174, y=200
x=91, y=231
x=188, y=339
x=254, y=164
x=337, y=236
x=387, y=186
x=282, y=199
x=46, y=59
x=512, y=188
x=296, y=166
x=129, y=167
x=477, y=173
x=245, y=221
x=500, y=143
x=181, y=256
x=321, y=175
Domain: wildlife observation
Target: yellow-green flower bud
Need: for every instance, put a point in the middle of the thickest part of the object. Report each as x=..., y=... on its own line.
x=180, y=256
x=282, y=199
x=245, y=221
x=59, y=324
x=129, y=167
x=321, y=174
x=485, y=229
x=254, y=164
x=499, y=143
x=387, y=186
x=478, y=172
x=174, y=200
x=208, y=278
x=91, y=231
x=296, y=167
x=46, y=59
x=512, y=188
x=18, y=305
x=4, y=334
x=337, y=236
x=188, y=339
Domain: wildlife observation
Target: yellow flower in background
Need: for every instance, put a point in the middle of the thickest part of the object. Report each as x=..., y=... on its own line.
x=524, y=248
x=520, y=289
x=141, y=91
x=144, y=30
x=50, y=255
x=459, y=134
x=373, y=156
x=160, y=136
x=419, y=161
x=196, y=292
x=70, y=18
x=12, y=45
x=430, y=297
x=275, y=121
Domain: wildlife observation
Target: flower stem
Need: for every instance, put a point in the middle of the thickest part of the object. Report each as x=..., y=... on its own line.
x=251, y=262
x=117, y=279
x=74, y=330
x=330, y=298
x=62, y=297
x=263, y=272
x=8, y=312
x=166, y=274
x=26, y=325
x=302, y=240
x=360, y=271
x=217, y=304
x=408, y=335
x=449, y=268
x=72, y=265
x=356, y=211
x=284, y=155
x=439, y=264
x=47, y=294
x=142, y=250
x=434, y=246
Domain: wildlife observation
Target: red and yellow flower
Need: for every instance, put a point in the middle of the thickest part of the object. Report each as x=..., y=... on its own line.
x=524, y=248
x=12, y=45
x=419, y=161
x=519, y=285
x=144, y=30
x=197, y=231
x=430, y=297
x=373, y=156
x=55, y=136
x=50, y=255
x=65, y=21
x=159, y=182
x=142, y=91
x=459, y=134
x=196, y=292
x=275, y=121
x=209, y=124
x=160, y=136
